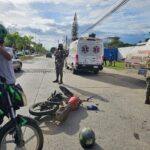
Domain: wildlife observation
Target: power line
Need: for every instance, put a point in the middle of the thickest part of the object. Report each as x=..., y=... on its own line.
x=107, y=15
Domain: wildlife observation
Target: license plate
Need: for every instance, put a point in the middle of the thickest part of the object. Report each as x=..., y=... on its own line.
x=95, y=67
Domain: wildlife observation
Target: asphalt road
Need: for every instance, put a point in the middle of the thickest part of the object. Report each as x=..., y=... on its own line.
x=122, y=122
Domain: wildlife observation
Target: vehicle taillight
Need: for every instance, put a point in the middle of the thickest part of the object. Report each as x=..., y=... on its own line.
x=77, y=59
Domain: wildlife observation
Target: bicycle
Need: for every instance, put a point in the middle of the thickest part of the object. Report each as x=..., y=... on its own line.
x=52, y=104
x=20, y=132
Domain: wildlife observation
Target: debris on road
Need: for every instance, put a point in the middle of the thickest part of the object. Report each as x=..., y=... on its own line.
x=136, y=135
x=72, y=103
x=92, y=107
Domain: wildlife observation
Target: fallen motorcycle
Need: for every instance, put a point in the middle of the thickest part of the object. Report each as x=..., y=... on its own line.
x=53, y=103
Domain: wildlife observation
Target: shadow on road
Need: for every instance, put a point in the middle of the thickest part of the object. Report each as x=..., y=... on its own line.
x=96, y=147
x=19, y=73
x=70, y=126
x=115, y=79
x=88, y=94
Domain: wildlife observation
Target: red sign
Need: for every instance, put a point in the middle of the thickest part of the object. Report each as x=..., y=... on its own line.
x=96, y=49
x=85, y=49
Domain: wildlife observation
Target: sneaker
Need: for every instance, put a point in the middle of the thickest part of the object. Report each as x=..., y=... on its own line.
x=60, y=82
x=55, y=81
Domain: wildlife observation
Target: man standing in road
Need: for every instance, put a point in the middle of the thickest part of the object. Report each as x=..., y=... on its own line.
x=59, y=63
x=6, y=67
x=147, y=101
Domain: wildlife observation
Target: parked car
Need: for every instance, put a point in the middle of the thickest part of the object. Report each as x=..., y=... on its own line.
x=17, y=64
x=49, y=55
x=18, y=54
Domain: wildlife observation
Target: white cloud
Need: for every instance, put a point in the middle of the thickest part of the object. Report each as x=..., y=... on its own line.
x=16, y=2
x=20, y=15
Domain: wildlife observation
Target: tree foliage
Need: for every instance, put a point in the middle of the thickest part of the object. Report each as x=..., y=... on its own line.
x=20, y=43
x=3, y=31
x=115, y=42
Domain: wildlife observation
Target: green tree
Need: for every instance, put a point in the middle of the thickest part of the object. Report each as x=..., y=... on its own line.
x=23, y=42
x=11, y=39
x=3, y=31
x=27, y=41
x=115, y=43
x=19, y=43
x=75, y=28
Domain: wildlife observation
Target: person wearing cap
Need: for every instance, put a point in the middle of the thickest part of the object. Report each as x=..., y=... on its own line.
x=6, y=66
x=59, y=63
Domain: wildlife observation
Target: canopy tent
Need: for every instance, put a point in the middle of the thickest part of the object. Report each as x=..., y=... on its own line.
x=138, y=55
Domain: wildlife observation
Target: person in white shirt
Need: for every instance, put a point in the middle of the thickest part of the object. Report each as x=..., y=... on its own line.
x=6, y=66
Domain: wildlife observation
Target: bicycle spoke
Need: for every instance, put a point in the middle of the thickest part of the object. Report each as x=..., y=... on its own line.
x=29, y=139
x=28, y=136
x=37, y=109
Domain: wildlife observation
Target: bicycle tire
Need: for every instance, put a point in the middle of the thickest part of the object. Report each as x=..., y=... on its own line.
x=43, y=112
x=10, y=126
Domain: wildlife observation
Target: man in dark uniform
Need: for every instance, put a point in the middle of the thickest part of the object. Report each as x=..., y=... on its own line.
x=59, y=63
x=147, y=101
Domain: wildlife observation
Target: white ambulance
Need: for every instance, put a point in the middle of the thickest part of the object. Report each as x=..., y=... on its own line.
x=86, y=54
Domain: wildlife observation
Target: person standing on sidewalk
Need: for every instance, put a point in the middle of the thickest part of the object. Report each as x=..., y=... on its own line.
x=105, y=61
x=6, y=67
x=59, y=63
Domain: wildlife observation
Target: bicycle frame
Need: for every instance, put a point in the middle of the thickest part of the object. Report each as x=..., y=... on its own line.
x=13, y=118
x=13, y=127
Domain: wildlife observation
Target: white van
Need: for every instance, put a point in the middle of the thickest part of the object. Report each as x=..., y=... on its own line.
x=86, y=53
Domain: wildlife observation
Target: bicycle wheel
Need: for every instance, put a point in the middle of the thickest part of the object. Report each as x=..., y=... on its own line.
x=42, y=108
x=32, y=136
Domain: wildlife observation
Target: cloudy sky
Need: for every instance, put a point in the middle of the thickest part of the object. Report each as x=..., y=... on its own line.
x=50, y=20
